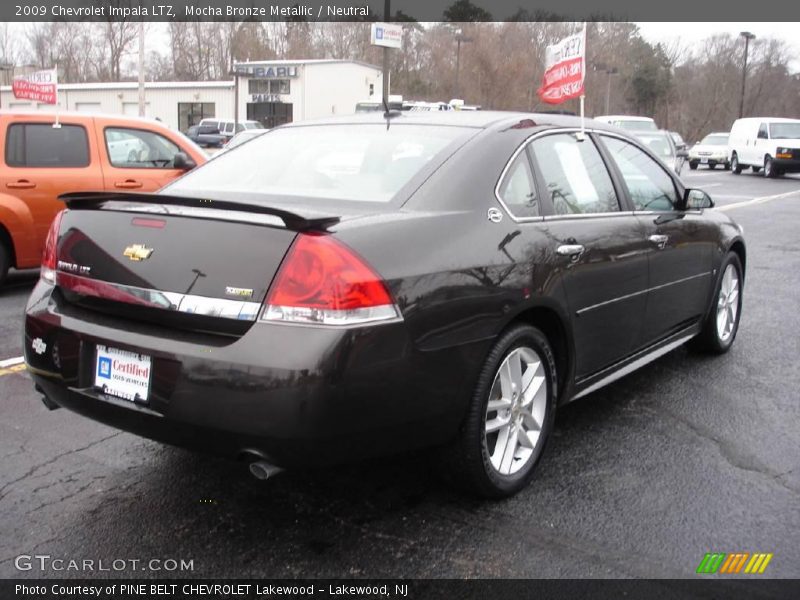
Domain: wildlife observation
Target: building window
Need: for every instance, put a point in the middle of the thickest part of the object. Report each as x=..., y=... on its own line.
x=191, y=113
x=269, y=86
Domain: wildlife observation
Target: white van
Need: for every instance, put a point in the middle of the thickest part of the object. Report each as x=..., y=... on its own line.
x=765, y=143
x=629, y=122
x=226, y=128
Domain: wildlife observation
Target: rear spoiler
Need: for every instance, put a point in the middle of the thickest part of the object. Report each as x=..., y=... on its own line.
x=292, y=221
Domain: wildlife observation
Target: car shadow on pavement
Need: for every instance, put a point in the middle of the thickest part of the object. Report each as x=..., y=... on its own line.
x=393, y=517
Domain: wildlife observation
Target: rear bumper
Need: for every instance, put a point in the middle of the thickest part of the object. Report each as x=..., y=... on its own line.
x=299, y=396
x=709, y=160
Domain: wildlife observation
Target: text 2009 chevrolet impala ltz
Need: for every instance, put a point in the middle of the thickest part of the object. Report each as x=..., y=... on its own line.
x=354, y=287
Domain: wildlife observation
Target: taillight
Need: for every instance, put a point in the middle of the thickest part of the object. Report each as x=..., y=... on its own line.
x=322, y=281
x=50, y=255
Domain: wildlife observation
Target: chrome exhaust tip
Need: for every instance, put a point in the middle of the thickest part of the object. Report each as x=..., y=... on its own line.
x=263, y=470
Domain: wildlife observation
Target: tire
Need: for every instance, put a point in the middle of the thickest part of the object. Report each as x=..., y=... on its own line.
x=712, y=166
x=481, y=462
x=769, y=168
x=718, y=333
x=693, y=165
x=736, y=168
x=727, y=166
x=5, y=262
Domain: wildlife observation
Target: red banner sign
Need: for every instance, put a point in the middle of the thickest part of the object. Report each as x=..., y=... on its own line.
x=565, y=69
x=41, y=86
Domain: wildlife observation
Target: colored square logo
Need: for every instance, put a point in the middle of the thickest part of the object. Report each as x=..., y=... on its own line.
x=104, y=367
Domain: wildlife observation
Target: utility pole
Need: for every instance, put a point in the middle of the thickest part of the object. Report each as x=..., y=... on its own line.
x=141, y=69
x=387, y=17
x=459, y=38
x=747, y=37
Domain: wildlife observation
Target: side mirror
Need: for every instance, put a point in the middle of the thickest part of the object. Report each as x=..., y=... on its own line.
x=183, y=162
x=682, y=153
x=694, y=199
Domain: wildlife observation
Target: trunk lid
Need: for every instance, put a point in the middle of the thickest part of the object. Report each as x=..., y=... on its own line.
x=172, y=260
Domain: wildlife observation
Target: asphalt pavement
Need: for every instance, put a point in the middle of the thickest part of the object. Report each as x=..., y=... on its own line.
x=692, y=454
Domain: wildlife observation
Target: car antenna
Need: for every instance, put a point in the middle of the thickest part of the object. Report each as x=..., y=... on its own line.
x=388, y=113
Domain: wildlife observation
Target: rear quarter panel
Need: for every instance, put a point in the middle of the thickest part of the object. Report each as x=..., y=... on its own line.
x=459, y=278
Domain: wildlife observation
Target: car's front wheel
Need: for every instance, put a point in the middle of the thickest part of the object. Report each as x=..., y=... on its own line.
x=769, y=168
x=693, y=165
x=722, y=322
x=509, y=417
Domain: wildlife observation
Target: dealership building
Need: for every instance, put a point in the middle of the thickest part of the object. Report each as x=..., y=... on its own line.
x=273, y=92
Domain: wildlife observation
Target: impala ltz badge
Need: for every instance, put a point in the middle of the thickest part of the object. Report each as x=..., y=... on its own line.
x=138, y=252
x=238, y=292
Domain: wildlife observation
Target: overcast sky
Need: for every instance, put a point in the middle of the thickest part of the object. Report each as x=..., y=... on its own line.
x=693, y=33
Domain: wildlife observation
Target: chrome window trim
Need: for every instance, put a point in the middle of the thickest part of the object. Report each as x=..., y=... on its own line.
x=223, y=308
x=530, y=139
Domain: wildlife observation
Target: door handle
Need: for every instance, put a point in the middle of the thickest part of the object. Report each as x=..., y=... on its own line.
x=572, y=250
x=659, y=240
x=128, y=184
x=22, y=184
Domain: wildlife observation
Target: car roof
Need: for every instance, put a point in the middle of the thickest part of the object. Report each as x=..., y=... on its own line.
x=624, y=118
x=73, y=114
x=479, y=119
x=769, y=120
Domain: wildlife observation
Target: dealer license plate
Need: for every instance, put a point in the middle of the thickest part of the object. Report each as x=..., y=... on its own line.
x=122, y=374
x=704, y=161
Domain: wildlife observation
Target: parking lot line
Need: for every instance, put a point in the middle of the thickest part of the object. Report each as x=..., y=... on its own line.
x=11, y=361
x=760, y=200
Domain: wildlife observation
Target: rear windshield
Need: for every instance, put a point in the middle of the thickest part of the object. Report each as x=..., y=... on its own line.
x=636, y=125
x=658, y=143
x=715, y=140
x=366, y=163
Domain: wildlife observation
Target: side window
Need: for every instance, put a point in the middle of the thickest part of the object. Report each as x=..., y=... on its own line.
x=650, y=186
x=518, y=191
x=42, y=145
x=576, y=177
x=139, y=149
x=762, y=132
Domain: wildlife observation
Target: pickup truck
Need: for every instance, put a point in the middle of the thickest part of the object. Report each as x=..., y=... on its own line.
x=83, y=153
x=206, y=136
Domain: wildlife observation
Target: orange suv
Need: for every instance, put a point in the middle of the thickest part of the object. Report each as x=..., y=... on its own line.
x=86, y=152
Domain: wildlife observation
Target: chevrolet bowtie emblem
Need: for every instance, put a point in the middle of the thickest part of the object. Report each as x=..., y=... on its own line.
x=138, y=252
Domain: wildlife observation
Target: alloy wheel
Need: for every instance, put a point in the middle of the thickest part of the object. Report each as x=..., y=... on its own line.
x=515, y=412
x=728, y=304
